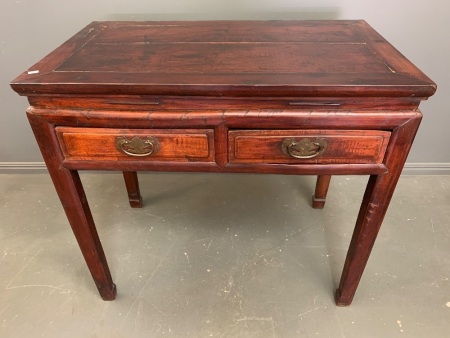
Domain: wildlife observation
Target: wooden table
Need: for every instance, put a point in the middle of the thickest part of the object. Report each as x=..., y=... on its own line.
x=278, y=97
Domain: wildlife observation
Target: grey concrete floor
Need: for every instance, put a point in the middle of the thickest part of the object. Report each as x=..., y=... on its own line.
x=223, y=256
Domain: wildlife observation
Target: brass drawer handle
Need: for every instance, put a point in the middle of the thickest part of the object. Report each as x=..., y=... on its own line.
x=137, y=146
x=304, y=148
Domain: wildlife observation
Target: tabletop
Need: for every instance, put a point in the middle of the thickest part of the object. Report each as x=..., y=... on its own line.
x=227, y=58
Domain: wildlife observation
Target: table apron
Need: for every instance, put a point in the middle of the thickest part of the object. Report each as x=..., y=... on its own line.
x=264, y=119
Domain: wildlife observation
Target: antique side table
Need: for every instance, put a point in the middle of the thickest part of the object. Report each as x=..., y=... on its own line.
x=289, y=97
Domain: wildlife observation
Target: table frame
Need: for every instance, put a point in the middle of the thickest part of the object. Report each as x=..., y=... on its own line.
x=380, y=188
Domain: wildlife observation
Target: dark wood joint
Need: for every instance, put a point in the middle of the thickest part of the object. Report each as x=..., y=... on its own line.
x=221, y=144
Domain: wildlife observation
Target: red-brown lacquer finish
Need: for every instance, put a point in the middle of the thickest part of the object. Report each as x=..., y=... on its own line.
x=279, y=97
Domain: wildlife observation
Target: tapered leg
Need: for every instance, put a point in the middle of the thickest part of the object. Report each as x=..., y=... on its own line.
x=72, y=196
x=320, y=195
x=367, y=226
x=132, y=184
x=379, y=191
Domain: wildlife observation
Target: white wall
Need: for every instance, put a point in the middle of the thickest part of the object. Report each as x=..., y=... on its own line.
x=31, y=28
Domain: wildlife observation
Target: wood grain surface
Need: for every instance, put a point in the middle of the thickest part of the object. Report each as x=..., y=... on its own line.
x=227, y=58
x=345, y=146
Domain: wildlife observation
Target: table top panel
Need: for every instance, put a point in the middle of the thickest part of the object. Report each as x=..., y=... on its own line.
x=226, y=58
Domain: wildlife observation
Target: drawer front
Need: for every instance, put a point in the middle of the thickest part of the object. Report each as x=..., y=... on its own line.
x=180, y=145
x=307, y=146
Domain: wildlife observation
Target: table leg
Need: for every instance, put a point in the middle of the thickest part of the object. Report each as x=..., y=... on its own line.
x=72, y=196
x=378, y=194
x=132, y=184
x=320, y=194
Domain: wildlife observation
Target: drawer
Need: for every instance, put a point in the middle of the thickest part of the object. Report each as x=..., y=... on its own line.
x=307, y=146
x=181, y=145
